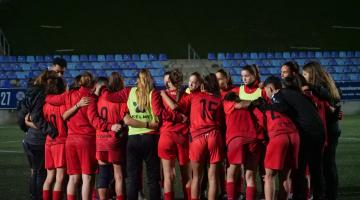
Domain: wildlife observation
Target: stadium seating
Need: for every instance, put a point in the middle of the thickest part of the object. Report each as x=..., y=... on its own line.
x=19, y=69
x=343, y=65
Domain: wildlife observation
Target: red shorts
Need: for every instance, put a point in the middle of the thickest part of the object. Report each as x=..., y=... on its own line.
x=170, y=149
x=247, y=154
x=80, y=155
x=111, y=156
x=55, y=156
x=208, y=145
x=282, y=152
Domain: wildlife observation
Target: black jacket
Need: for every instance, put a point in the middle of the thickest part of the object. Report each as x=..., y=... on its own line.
x=301, y=110
x=33, y=104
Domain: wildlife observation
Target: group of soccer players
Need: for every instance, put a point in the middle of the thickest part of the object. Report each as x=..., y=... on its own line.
x=285, y=127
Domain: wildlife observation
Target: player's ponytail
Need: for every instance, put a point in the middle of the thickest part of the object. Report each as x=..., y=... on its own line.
x=116, y=82
x=87, y=80
x=211, y=84
x=176, y=78
x=145, y=85
x=55, y=85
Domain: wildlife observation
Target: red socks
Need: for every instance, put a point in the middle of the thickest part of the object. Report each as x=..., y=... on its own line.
x=250, y=193
x=70, y=197
x=46, y=195
x=57, y=195
x=188, y=193
x=169, y=196
x=120, y=197
x=230, y=190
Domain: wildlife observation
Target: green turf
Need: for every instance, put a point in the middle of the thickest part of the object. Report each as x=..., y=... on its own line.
x=14, y=169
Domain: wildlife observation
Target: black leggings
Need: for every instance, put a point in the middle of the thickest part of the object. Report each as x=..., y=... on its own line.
x=142, y=148
x=330, y=168
x=36, y=157
x=311, y=153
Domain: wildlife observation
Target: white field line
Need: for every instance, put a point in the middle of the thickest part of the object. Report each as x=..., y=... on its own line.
x=8, y=151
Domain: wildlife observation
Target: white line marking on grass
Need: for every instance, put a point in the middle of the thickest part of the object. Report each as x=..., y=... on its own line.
x=350, y=138
x=7, y=151
x=12, y=141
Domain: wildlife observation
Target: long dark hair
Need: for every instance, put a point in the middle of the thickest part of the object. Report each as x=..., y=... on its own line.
x=254, y=70
x=116, y=82
x=55, y=85
x=293, y=66
x=226, y=75
x=177, y=78
x=211, y=85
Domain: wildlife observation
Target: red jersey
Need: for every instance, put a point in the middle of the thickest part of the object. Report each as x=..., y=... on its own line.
x=206, y=113
x=113, y=113
x=84, y=121
x=321, y=106
x=53, y=114
x=275, y=123
x=231, y=88
x=169, y=125
x=156, y=103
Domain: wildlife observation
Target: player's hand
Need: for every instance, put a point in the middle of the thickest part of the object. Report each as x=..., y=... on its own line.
x=162, y=92
x=184, y=118
x=231, y=96
x=153, y=125
x=116, y=127
x=340, y=115
x=84, y=102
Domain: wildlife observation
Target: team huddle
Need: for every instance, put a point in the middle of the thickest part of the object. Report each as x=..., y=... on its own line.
x=222, y=136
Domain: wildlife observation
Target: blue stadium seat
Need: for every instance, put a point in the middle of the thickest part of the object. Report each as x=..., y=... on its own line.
x=278, y=55
x=23, y=83
x=357, y=54
x=93, y=58
x=154, y=57
x=132, y=65
x=66, y=57
x=332, y=62
x=101, y=58
x=106, y=65
x=140, y=65
x=144, y=57
x=346, y=77
x=330, y=69
x=342, y=54
x=242, y=63
x=135, y=57
x=274, y=70
x=348, y=61
x=75, y=58
x=286, y=55
x=129, y=73
x=270, y=55
x=159, y=81
x=157, y=72
x=254, y=55
x=30, y=59
x=118, y=57
x=115, y=65
x=126, y=57
x=157, y=64
x=250, y=62
x=334, y=54
x=262, y=55
x=48, y=58
x=354, y=77
x=326, y=54
x=259, y=63
x=264, y=71
x=163, y=57
x=25, y=66
x=350, y=54
x=129, y=81
x=211, y=56
x=221, y=56
x=71, y=65
x=109, y=58
x=318, y=54
x=97, y=65
x=39, y=59
x=229, y=56
x=237, y=56
x=226, y=63
x=310, y=54
x=339, y=69
x=347, y=69
x=234, y=63
x=21, y=59
x=245, y=55
x=236, y=80
x=84, y=58
x=302, y=54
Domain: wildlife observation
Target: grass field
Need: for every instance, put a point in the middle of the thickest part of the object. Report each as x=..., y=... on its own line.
x=14, y=170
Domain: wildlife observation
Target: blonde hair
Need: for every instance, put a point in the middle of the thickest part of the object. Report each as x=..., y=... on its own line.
x=318, y=76
x=145, y=85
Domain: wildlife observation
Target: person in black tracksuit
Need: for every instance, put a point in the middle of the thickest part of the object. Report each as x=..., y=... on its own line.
x=324, y=88
x=30, y=109
x=312, y=135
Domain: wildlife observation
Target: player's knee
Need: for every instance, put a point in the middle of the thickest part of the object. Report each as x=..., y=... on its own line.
x=74, y=180
x=105, y=176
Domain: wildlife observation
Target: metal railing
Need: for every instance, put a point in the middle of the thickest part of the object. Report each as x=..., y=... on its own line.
x=4, y=44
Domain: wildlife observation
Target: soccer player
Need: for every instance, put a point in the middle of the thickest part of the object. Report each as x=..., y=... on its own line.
x=289, y=69
x=324, y=87
x=80, y=143
x=174, y=142
x=194, y=84
x=206, y=120
x=283, y=147
x=145, y=109
x=245, y=140
x=110, y=146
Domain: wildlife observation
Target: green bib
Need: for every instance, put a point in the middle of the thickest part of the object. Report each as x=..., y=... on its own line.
x=249, y=97
x=135, y=113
